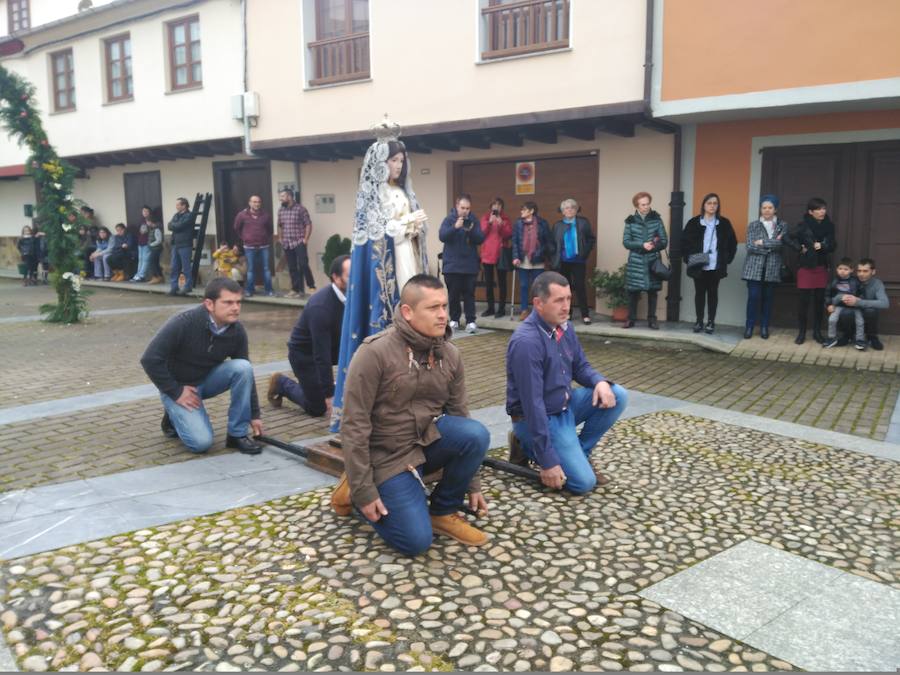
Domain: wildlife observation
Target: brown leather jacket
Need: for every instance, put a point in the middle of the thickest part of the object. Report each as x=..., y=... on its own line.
x=398, y=383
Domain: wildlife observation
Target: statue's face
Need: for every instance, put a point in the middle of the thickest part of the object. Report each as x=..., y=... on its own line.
x=395, y=166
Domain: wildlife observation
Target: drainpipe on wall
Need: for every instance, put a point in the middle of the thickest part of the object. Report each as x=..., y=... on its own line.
x=676, y=200
x=247, y=150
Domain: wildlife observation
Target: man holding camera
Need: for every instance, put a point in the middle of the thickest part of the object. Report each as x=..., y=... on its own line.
x=461, y=234
x=542, y=359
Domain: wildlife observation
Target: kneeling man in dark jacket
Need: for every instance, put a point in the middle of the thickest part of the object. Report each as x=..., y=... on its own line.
x=314, y=345
x=198, y=354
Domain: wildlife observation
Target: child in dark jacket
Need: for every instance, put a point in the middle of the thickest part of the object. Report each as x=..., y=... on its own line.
x=29, y=249
x=843, y=283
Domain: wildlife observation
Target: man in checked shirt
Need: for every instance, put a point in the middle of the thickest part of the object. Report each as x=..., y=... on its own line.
x=294, y=228
x=542, y=359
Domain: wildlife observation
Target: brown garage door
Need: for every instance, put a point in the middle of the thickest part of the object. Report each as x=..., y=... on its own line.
x=556, y=178
x=861, y=183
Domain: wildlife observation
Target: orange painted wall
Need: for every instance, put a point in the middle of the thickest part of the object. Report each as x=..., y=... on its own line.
x=722, y=158
x=716, y=47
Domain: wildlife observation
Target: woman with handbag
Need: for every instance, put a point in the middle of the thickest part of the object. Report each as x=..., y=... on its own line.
x=644, y=237
x=762, y=267
x=709, y=245
x=573, y=241
x=496, y=255
x=814, y=238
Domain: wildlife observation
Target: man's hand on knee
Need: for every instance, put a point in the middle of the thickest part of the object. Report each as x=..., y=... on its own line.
x=603, y=396
x=478, y=503
x=189, y=398
x=374, y=511
x=554, y=477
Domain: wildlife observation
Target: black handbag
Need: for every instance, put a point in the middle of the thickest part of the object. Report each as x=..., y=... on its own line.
x=698, y=260
x=660, y=270
x=504, y=263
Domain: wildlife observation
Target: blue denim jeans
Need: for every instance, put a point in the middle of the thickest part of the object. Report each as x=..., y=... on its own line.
x=459, y=452
x=181, y=264
x=526, y=278
x=143, y=262
x=574, y=449
x=258, y=259
x=764, y=292
x=193, y=426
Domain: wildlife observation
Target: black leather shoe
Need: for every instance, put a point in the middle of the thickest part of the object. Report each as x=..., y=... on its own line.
x=710, y=327
x=167, y=428
x=764, y=332
x=653, y=324
x=698, y=326
x=244, y=444
x=818, y=337
x=488, y=312
x=500, y=312
x=748, y=332
x=801, y=338
x=875, y=343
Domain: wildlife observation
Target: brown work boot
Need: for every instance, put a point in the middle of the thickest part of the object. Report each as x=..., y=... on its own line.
x=457, y=527
x=340, y=498
x=601, y=478
x=273, y=395
x=516, y=451
x=155, y=280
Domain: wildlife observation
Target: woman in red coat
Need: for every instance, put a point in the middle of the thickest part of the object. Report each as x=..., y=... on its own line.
x=497, y=229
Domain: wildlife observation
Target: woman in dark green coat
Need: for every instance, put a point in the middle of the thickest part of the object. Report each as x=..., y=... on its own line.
x=645, y=236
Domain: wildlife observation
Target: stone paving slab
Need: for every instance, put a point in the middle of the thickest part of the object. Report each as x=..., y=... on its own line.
x=810, y=614
x=52, y=516
x=287, y=584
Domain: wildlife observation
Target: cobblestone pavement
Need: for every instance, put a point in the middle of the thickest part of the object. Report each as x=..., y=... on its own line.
x=288, y=585
x=47, y=362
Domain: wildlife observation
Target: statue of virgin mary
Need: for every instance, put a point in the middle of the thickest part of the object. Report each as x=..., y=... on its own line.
x=388, y=247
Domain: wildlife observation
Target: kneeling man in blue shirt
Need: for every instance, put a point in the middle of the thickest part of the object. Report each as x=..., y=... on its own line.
x=542, y=359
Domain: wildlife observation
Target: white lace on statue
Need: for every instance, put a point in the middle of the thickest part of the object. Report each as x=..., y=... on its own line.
x=384, y=209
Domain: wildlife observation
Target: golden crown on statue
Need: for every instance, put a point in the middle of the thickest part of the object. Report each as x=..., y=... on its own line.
x=386, y=129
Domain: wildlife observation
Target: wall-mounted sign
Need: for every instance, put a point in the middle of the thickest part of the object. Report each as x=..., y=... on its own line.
x=525, y=178
x=324, y=203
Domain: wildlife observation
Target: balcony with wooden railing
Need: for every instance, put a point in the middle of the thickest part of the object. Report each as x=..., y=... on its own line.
x=524, y=27
x=339, y=59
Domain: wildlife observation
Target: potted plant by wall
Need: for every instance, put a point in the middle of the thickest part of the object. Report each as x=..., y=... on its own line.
x=611, y=285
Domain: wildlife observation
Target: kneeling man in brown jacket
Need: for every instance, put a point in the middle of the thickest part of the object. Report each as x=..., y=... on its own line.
x=405, y=416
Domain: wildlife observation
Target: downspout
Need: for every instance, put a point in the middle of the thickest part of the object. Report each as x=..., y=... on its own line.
x=246, y=88
x=676, y=201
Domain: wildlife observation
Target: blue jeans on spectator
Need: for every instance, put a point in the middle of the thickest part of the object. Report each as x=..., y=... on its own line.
x=143, y=262
x=459, y=452
x=574, y=449
x=526, y=278
x=101, y=267
x=258, y=258
x=181, y=264
x=193, y=426
x=760, y=291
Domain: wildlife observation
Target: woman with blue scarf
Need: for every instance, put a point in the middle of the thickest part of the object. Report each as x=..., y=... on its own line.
x=574, y=242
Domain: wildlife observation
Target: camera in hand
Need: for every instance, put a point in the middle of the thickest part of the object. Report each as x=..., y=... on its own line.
x=495, y=212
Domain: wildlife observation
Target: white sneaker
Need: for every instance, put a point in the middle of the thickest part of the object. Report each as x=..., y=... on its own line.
x=471, y=327
x=454, y=325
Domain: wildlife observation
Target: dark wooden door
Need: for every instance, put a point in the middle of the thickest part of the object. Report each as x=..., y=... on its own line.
x=142, y=189
x=234, y=183
x=556, y=179
x=861, y=183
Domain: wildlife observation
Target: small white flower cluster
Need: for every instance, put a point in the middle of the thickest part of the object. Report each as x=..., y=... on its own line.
x=73, y=279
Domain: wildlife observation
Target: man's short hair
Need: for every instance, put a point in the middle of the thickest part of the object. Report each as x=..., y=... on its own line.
x=183, y=200
x=118, y=225
x=337, y=266
x=215, y=287
x=412, y=289
x=540, y=288
x=867, y=261
x=846, y=262
x=463, y=195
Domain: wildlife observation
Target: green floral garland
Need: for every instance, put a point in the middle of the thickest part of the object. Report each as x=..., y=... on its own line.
x=57, y=212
